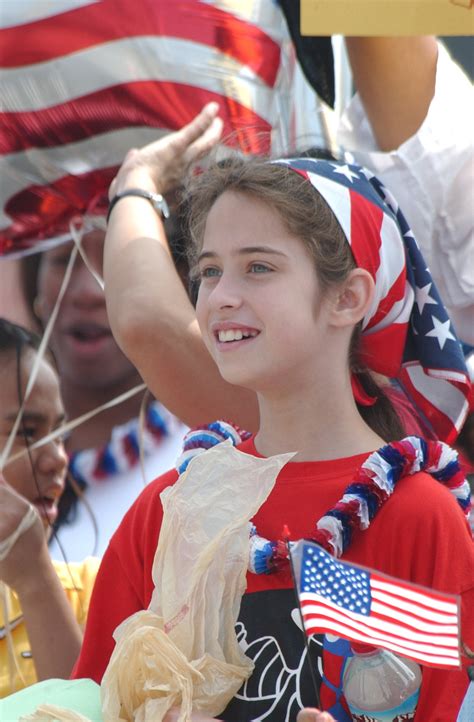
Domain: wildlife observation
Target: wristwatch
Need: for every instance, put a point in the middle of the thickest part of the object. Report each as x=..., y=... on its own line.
x=156, y=199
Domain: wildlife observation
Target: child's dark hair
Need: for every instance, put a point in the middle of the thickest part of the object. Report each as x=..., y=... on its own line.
x=14, y=337
x=306, y=215
x=17, y=339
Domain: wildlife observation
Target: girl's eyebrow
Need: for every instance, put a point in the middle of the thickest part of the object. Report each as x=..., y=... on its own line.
x=245, y=251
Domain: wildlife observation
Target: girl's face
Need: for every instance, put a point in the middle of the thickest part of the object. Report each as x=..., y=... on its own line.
x=43, y=484
x=261, y=311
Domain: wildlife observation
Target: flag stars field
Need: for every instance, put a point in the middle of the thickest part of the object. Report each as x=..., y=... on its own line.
x=351, y=591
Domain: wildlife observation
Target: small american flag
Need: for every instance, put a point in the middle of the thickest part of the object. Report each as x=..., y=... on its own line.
x=360, y=604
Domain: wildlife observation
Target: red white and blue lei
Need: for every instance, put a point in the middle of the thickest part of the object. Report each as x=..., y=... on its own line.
x=122, y=452
x=372, y=486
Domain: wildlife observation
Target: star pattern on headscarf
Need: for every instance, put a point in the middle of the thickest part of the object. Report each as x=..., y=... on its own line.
x=441, y=331
x=346, y=171
x=422, y=297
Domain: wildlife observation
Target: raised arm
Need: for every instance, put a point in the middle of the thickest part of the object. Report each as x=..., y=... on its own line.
x=53, y=632
x=149, y=310
x=395, y=78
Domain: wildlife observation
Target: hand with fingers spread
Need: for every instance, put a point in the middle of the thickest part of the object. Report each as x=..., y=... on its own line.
x=160, y=166
x=314, y=715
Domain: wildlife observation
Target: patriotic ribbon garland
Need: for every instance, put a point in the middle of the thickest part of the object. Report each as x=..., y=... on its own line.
x=122, y=452
x=372, y=486
x=205, y=437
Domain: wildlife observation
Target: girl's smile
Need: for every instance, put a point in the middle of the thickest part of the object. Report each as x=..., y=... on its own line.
x=230, y=334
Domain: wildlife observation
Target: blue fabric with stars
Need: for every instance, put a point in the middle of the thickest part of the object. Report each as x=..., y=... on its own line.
x=339, y=583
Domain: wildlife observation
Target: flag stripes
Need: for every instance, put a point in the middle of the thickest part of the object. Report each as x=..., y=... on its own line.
x=110, y=20
x=91, y=71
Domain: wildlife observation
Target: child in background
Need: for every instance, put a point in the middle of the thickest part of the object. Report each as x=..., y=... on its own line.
x=104, y=452
x=43, y=602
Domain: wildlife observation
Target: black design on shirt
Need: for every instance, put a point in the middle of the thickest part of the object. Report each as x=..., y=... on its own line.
x=269, y=632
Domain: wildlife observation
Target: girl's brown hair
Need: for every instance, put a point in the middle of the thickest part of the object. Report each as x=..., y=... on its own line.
x=306, y=215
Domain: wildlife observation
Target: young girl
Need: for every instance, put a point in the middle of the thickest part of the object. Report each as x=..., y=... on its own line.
x=306, y=284
x=44, y=602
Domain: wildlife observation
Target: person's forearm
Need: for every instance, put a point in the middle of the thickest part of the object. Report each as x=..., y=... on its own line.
x=154, y=322
x=54, y=634
x=395, y=78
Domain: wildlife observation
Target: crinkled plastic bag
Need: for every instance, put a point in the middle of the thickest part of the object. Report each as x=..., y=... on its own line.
x=183, y=651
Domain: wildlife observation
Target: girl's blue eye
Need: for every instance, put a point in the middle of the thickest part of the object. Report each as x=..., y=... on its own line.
x=209, y=272
x=259, y=268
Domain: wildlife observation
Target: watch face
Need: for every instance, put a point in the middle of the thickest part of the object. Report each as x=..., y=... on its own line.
x=160, y=205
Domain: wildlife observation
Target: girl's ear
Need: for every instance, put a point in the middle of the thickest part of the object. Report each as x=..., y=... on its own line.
x=353, y=298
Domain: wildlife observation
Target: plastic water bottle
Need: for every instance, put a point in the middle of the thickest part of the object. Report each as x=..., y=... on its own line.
x=380, y=686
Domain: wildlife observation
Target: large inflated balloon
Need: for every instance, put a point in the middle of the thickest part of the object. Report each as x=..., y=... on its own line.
x=83, y=81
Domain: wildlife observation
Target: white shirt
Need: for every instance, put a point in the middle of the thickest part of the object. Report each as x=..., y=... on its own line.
x=432, y=177
x=110, y=499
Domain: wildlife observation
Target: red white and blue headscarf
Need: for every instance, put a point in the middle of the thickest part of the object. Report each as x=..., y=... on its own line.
x=407, y=334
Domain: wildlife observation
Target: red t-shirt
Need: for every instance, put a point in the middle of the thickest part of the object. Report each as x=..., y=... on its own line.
x=420, y=535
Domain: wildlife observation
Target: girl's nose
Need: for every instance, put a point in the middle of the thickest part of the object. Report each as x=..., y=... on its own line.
x=53, y=459
x=226, y=293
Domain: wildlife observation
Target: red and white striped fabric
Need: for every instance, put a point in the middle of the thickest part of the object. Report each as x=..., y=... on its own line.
x=82, y=81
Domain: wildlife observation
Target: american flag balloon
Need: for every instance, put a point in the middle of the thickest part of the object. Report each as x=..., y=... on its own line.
x=82, y=81
x=407, y=333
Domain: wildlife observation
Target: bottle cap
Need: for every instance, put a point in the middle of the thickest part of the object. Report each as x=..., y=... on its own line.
x=360, y=648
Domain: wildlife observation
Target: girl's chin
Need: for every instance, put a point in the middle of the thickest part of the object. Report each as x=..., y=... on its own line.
x=236, y=377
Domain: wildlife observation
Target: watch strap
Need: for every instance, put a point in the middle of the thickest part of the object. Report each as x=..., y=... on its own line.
x=156, y=199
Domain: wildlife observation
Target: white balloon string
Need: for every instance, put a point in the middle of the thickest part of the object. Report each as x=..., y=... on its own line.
x=77, y=234
x=74, y=423
x=26, y=522
x=40, y=354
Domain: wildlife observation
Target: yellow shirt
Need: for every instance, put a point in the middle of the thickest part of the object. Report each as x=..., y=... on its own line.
x=77, y=580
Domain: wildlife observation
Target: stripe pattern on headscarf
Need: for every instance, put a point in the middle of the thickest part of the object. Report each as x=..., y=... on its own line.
x=407, y=334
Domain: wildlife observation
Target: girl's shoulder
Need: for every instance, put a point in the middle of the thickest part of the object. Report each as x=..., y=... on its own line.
x=422, y=501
